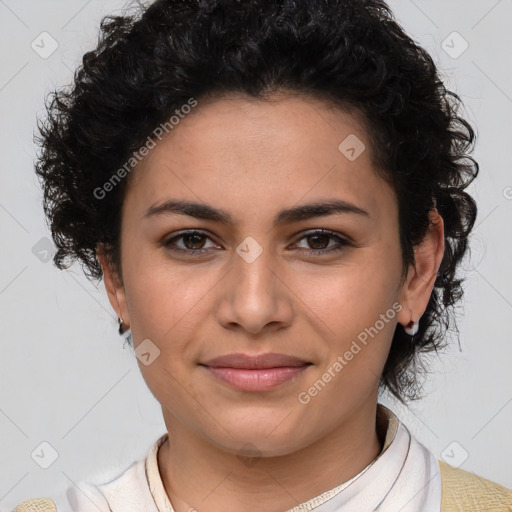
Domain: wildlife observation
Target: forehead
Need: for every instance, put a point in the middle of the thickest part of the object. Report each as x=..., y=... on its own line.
x=248, y=156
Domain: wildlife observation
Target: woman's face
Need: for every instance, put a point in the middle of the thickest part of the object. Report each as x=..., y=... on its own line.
x=251, y=281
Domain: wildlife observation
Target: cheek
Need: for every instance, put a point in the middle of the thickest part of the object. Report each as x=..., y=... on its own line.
x=164, y=308
x=351, y=297
x=165, y=300
x=353, y=310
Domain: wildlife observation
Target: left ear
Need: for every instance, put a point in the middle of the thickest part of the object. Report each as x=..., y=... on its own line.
x=418, y=286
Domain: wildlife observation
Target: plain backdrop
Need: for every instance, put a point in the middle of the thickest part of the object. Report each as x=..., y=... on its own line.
x=72, y=399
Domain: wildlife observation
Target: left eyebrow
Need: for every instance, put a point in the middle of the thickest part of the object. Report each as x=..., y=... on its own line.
x=286, y=216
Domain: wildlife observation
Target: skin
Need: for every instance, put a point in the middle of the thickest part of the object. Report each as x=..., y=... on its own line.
x=253, y=159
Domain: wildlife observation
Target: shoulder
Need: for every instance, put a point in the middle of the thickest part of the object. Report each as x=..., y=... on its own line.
x=82, y=497
x=463, y=490
x=125, y=492
x=37, y=505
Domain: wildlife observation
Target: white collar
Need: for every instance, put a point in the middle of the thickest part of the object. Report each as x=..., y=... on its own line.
x=405, y=477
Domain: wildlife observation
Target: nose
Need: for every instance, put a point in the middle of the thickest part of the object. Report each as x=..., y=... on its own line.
x=254, y=295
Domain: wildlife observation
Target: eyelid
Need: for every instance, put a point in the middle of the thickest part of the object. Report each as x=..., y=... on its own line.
x=322, y=231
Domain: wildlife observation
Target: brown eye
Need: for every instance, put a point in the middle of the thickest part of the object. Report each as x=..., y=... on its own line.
x=193, y=241
x=318, y=242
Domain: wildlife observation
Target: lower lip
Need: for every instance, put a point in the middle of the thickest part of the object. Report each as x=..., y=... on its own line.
x=256, y=380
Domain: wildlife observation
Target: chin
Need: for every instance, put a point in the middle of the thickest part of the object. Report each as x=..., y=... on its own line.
x=263, y=440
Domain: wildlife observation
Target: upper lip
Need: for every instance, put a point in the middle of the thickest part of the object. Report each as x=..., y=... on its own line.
x=245, y=361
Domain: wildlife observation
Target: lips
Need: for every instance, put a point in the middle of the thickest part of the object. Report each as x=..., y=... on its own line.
x=255, y=362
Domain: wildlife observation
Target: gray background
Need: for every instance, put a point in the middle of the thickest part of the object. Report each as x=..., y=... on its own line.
x=66, y=379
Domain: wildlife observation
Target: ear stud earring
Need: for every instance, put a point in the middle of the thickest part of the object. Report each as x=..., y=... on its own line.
x=124, y=330
x=412, y=327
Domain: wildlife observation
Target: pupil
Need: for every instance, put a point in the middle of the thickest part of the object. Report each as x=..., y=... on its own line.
x=317, y=237
x=193, y=236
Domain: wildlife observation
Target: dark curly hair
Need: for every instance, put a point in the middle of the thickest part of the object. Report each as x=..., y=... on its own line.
x=352, y=53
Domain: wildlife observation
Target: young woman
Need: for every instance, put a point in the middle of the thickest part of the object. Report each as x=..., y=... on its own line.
x=273, y=192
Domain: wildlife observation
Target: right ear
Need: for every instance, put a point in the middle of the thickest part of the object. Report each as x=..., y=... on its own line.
x=113, y=285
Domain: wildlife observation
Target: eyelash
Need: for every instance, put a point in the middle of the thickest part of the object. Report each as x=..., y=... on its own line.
x=343, y=243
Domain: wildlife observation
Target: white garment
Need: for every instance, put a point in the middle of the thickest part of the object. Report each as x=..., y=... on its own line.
x=405, y=477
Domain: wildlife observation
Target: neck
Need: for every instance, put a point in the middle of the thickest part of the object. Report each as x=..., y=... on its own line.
x=198, y=475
